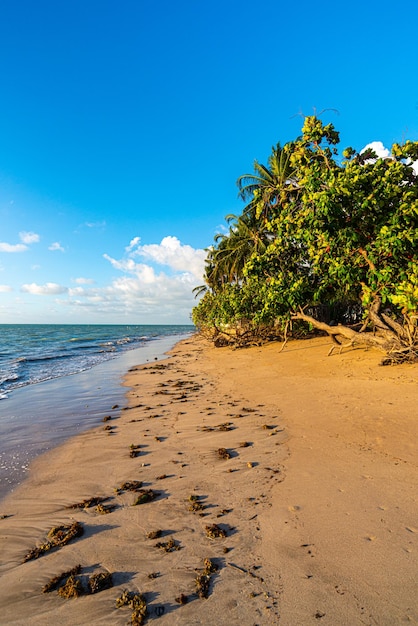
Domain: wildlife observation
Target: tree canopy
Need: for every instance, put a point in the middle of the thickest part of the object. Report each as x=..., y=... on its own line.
x=324, y=242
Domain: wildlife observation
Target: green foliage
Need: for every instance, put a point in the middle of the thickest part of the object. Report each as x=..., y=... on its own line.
x=317, y=232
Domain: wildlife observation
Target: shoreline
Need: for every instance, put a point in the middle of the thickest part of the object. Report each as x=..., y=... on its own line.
x=318, y=507
x=30, y=424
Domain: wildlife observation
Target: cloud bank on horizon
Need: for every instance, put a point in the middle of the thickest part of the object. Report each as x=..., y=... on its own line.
x=154, y=284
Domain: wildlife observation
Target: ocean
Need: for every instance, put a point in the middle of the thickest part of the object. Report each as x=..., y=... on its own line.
x=57, y=380
x=31, y=354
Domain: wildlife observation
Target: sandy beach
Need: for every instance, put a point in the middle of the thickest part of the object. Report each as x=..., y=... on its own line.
x=249, y=487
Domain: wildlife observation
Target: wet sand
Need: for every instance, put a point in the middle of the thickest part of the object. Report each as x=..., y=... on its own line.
x=38, y=417
x=304, y=465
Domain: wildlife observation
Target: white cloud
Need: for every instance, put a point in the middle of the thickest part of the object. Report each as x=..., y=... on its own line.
x=144, y=273
x=56, y=246
x=101, y=224
x=83, y=281
x=146, y=296
x=132, y=244
x=44, y=290
x=172, y=253
x=159, y=291
x=17, y=247
x=378, y=148
x=384, y=153
x=5, y=289
x=151, y=284
x=28, y=237
x=25, y=237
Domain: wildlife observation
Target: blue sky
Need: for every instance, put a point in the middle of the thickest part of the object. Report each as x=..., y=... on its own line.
x=124, y=126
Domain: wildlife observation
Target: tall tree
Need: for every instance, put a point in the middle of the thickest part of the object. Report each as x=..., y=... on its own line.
x=262, y=190
x=341, y=234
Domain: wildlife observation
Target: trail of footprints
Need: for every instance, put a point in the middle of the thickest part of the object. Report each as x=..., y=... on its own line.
x=210, y=505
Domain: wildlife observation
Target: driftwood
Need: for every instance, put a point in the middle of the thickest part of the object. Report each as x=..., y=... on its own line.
x=398, y=341
x=243, y=335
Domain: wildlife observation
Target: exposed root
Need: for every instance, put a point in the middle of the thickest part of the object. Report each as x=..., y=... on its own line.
x=398, y=341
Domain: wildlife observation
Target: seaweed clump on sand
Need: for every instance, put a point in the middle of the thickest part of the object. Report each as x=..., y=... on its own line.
x=97, y=502
x=203, y=579
x=154, y=534
x=225, y=426
x=130, y=485
x=57, y=537
x=168, y=546
x=145, y=495
x=137, y=603
x=213, y=531
x=182, y=599
x=223, y=453
x=134, y=450
x=88, y=502
x=104, y=509
x=195, y=505
x=55, y=582
x=69, y=585
x=100, y=581
x=72, y=588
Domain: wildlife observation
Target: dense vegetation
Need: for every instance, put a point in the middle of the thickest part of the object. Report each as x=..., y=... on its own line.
x=323, y=243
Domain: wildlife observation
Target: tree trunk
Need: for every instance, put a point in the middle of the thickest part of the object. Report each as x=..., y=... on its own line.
x=387, y=335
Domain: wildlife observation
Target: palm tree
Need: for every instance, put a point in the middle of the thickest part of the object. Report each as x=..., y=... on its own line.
x=226, y=260
x=263, y=189
x=248, y=234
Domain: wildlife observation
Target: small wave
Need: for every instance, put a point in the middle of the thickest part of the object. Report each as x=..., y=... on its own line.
x=123, y=340
x=73, y=339
x=8, y=377
x=68, y=353
x=41, y=359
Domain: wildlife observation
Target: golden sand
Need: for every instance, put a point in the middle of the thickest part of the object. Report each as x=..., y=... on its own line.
x=285, y=483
